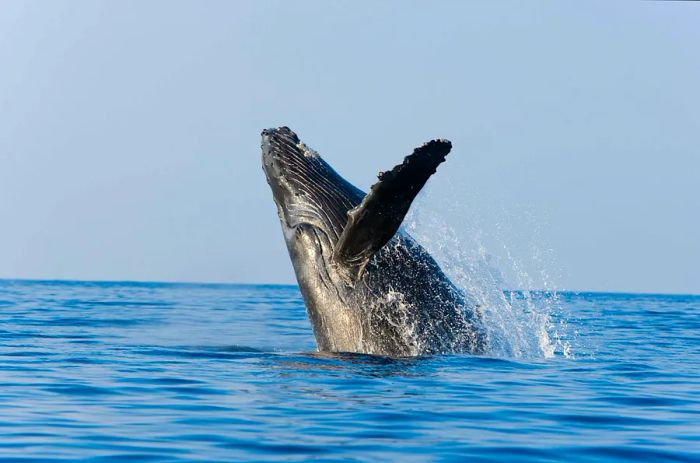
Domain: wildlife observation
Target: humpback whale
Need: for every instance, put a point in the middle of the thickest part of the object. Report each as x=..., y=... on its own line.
x=367, y=285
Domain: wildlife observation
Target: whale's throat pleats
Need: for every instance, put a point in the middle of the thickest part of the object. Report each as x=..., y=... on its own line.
x=324, y=197
x=357, y=224
x=376, y=219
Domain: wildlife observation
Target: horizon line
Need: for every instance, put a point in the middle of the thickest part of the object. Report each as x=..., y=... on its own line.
x=221, y=283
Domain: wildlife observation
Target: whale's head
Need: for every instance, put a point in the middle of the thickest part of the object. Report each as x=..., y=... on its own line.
x=312, y=203
x=308, y=193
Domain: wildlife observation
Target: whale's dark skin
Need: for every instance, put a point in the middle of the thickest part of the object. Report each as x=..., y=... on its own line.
x=367, y=285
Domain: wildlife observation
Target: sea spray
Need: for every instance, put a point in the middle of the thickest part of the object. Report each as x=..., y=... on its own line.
x=523, y=317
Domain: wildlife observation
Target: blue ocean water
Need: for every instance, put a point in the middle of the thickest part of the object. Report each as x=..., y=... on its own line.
x=183, y=372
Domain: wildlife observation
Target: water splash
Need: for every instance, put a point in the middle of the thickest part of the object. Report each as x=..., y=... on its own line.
x=400, y=319
x=525, y=322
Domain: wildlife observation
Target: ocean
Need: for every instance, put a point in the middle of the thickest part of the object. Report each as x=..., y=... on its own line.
x=149, y=372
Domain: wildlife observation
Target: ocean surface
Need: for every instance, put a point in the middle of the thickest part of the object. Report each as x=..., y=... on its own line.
x=150, y=372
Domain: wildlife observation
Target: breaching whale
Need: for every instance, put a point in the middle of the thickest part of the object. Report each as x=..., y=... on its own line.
x=367, y=285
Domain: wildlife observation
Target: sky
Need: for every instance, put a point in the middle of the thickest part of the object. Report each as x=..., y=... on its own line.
x=130, y=132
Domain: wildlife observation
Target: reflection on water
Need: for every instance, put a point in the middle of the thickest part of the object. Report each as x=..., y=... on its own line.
x=354, y=364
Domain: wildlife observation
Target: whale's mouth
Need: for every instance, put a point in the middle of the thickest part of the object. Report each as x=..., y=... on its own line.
x=282, y=162
x=286, y=158
x=305, y=188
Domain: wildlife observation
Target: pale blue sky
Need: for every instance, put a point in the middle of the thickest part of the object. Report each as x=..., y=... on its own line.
x=129, y=131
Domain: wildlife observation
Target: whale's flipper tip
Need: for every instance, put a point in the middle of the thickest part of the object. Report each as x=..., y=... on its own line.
x=375, y=221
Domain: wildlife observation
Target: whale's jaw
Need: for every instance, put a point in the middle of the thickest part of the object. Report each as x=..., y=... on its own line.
x=305, y=188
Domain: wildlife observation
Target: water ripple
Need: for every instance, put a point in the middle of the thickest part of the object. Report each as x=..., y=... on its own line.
x=114, y=372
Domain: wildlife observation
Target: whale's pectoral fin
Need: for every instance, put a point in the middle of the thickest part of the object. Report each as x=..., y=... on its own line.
x=375, y=221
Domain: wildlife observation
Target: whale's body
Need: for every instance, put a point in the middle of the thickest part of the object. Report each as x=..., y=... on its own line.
x=367, y=285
